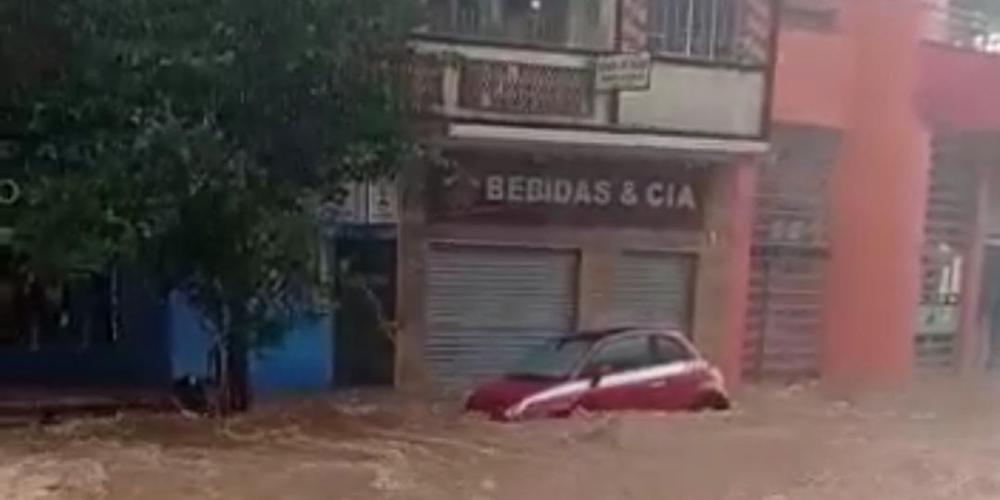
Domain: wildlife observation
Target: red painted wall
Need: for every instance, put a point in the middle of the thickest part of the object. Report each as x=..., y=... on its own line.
x=813, y=79
x=959, y=88
x=741, y=185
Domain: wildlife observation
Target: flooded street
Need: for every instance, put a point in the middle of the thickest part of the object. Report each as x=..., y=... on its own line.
x=780, y=444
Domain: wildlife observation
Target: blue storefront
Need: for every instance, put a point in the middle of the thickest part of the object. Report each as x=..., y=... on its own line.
x=114, y=333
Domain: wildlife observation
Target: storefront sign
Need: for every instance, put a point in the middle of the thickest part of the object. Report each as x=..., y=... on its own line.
x=513, y=189
x=383, y=203
x=623, y=72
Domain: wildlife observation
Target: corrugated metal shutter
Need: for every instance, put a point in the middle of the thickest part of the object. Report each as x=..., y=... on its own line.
x=486, y=306
x=947, y=232
x=790, y=249
x=784, y=315
x=653, y=289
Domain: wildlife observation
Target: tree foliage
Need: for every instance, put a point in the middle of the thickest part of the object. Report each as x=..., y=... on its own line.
x=198, y=139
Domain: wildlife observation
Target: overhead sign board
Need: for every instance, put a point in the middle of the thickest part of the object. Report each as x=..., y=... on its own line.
x=623, y=72
x=498, y=188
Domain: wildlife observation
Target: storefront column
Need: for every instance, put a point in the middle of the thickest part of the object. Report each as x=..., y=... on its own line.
x=595, y=300
x=411, y=373
x=724, y=269
x=742, y=185
x=878, y=198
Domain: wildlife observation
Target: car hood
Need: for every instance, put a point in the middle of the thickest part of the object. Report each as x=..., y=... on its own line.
x=496, y=397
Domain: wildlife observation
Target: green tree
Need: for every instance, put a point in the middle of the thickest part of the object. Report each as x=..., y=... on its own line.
x=199, y=140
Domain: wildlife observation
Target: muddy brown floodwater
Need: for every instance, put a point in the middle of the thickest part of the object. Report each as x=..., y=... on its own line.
x=941, y=441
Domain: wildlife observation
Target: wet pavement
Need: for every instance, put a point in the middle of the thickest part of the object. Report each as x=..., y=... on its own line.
x=941, y=441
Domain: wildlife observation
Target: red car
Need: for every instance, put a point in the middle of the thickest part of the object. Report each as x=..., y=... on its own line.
x=621, y=369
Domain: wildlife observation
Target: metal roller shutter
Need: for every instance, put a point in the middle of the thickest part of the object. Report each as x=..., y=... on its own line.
x=947, y=231
x=789, y=256
x=487, y=306
x=786, y=298
x=653, y=290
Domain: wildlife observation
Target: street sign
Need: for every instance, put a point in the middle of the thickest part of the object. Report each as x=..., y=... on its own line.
x=623, y=72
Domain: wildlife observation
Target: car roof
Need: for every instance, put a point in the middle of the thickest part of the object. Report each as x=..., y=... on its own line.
x=600, y=334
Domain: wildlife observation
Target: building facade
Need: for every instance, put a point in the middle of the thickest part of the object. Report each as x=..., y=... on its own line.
x=871, y=249
x=591, y=164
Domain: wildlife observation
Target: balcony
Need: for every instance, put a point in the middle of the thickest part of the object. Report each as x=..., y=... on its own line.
x=533, y=63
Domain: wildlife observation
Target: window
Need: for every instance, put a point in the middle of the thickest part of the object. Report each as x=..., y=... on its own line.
x=810, y=15
x=621, y=355
x=693, y=28
x=667, y=350
x=35, y=312
x=545, y=21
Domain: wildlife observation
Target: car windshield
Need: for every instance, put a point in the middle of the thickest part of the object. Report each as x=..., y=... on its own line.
x=553, y=360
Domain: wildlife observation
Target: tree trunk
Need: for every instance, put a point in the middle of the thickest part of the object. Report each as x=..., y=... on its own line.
x=238, y=392
x=231, y=365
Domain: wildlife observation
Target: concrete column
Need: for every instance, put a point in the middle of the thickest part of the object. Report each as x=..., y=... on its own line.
x=411, y=292
x=596, y=280
x=724, y=269
x=878, y=198
x=742, y=186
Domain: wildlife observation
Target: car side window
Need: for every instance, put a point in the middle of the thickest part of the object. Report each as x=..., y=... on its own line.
x=620, y=355
x=667, y=350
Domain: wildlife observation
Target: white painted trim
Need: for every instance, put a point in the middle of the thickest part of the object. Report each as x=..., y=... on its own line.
x=630, y=377
x=604, y=139
x=645, y=375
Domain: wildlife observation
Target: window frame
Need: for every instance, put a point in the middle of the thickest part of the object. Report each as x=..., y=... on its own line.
x=688, y=353
x=660, y=36
x=644, y=338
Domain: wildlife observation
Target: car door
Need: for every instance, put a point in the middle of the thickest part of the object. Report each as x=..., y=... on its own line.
x=621, y=371
x=678, y=374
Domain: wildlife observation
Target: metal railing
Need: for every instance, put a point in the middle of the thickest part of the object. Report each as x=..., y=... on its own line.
x=962, y=28
x=544, y=22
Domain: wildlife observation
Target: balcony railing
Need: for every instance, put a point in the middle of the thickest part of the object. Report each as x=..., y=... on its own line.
x=961, y=28
x=449, y=78
x=518, y=86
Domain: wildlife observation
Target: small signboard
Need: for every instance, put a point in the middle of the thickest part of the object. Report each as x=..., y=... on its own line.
x=383, y=203
x=365, y=203
x=623, y=72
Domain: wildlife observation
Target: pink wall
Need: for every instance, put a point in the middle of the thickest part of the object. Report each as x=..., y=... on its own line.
x=741, y=185
x=959, y=88
x=813, y=79
x=886, y=89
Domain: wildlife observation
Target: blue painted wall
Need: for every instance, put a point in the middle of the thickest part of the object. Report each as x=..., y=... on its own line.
x=301, y=363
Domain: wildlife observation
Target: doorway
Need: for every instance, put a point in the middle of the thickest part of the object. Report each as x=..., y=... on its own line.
x=366, y=294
